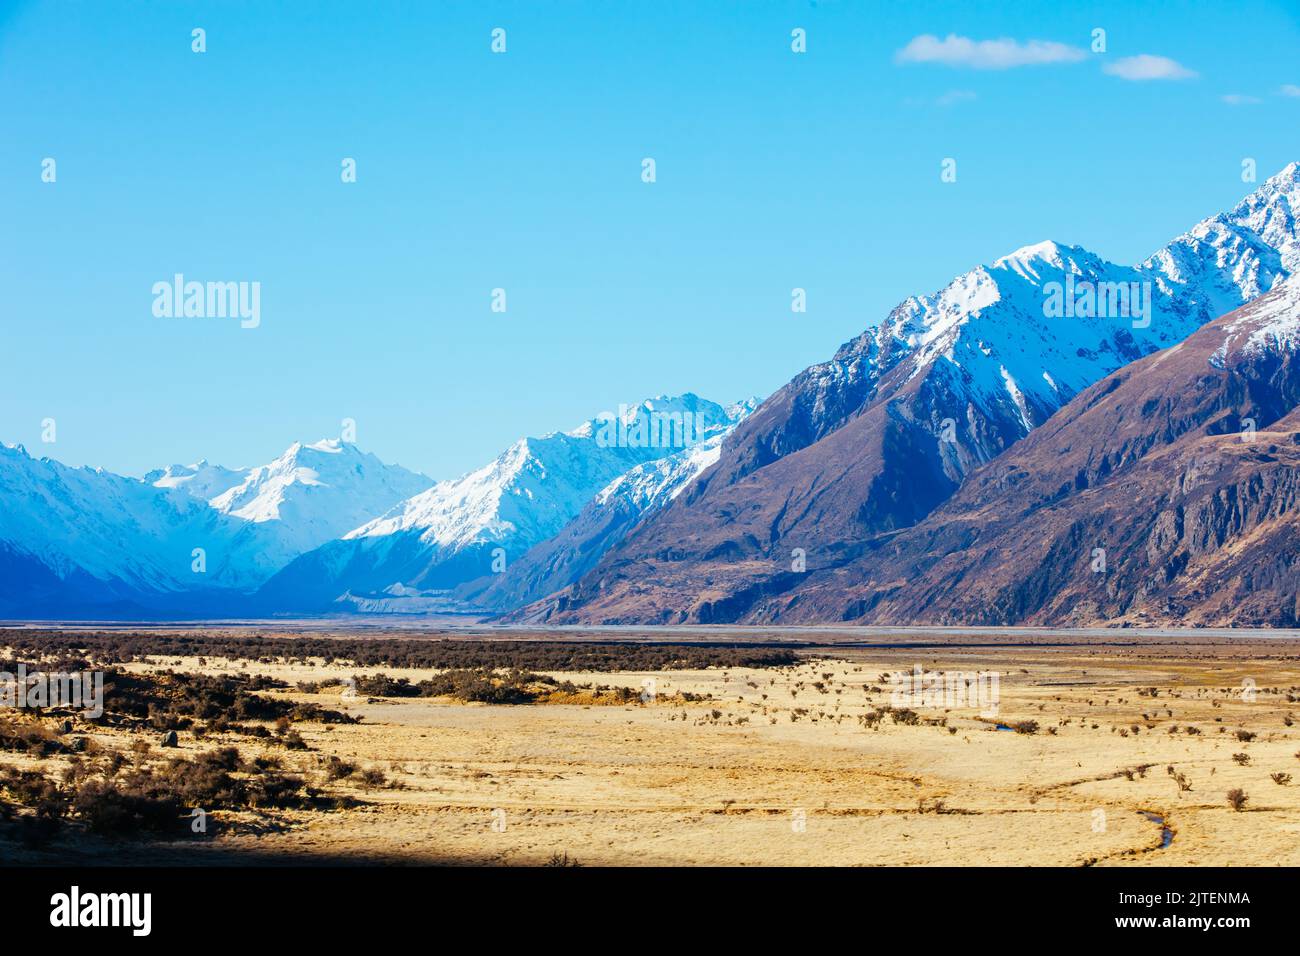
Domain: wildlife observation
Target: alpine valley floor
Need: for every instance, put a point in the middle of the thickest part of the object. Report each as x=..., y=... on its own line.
x=1109, y=751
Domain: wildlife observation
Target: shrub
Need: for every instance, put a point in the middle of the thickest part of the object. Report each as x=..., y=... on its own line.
x=31, y=738
x=175, y=701
x=381, y=685
x=372, y=778
x=905, y=716
x=33, y=789
x=109, y=810
x=126, y=646
x=336, y=769
x=485, y=686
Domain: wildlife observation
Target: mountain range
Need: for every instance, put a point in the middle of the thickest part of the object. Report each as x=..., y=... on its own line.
x=855, y=450
x=326, y=527
x=1166, y=493
x=1050, y=438
x=413, y=556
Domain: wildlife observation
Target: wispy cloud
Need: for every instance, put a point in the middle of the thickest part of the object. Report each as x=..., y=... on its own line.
x=1002, y=54
x=1290, y=89
x=953, y=97
x=950, y=98
x=1238, y=99
x=1148, y=66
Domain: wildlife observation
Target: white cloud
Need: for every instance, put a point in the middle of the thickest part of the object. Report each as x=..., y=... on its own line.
x=1238, y=99
x=1147, y=66
x=1000, y=54
x=1290, y=89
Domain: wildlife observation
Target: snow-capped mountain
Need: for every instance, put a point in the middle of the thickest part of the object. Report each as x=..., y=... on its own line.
x=876, y=438
x=531, y=489
x=448, y=534
x=201, y=480
x=1183, y=467
x=1236, y=256
x=992, y=326
x=563, y=558
x=654, y=483
x=1271, y=325
x=311, y=494
x=675, y=509
x=315, y=493
x=86, y=537
x=90, y=539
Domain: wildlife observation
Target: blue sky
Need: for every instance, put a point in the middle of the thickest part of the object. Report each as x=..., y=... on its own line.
x=523, y=171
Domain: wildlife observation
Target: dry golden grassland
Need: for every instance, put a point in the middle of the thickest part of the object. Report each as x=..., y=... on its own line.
x=1123, y=755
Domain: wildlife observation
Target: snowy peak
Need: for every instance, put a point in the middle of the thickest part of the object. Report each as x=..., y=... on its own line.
x=654, y=483
x=90, y=522
x=1230, y=258
x=1011, y=335
x=738, y=411
x=201, y=479
x=537, y=485
x=1270, y=213
x=920, y=319
x=1050, y=258
x=1003, y=345
x=620, y=506
x=926, y=325
x=314, y=493
x=688, y=408
x=686, y=404
x=349, y=477
x=1270, y=323
x=138, y=537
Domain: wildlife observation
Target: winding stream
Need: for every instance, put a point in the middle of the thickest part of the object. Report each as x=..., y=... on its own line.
x=1166, y=834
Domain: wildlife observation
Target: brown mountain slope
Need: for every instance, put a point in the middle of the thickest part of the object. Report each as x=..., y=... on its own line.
x=851, y=448
x=553, y=564
x=730, y=535
x=1148, y=465
x=1154, y=471
x=872, y=441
